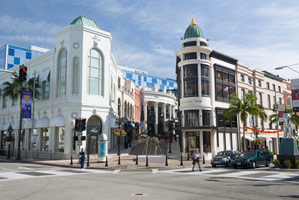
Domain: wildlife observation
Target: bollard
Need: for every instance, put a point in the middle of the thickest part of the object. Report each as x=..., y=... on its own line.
x=181, y=160
x=106, y=165
x=146, y=161
x=87, y=161
x=187, y=156
x=203, y=159
x=136, y=159
x=71, y=160
x=166, y=161
x=118, y=159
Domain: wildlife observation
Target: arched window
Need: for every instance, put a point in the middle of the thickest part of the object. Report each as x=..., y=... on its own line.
x=61, y=72
x=119, y=107
x=76, y=75
x=95, y=72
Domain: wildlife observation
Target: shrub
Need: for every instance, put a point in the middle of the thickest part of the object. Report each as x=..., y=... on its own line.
x=276, y=163
x=288, y=163
x=297, y=164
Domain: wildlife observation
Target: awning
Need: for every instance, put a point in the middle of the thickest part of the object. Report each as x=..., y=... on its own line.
x=57, y=121
x=139, y=124
x=249, y=138
x=17, y=125
x=7, y=125
x=2, y=124
x=43, y=123
x=28, y=123
x=44, y=76
x=129, y=126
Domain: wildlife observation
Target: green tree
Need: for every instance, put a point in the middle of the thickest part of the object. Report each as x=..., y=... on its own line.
x=14, y=90
x=243, y=109
x=294, y=118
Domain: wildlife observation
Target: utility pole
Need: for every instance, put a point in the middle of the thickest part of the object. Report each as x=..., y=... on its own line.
x=32, y=117
x=276, y=126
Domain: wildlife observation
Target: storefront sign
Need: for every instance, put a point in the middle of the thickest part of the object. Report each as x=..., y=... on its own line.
x=26, y=104
x=94, y=129
x=295, y=94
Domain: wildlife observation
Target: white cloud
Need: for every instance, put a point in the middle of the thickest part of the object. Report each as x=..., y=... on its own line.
x=163, y=51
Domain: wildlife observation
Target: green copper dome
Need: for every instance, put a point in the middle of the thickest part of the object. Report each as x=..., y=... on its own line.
x=193, y=30
x=85, y=21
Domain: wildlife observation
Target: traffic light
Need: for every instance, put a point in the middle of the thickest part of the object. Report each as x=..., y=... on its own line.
x=77, y=125
x=83, y=125
x=22, y=73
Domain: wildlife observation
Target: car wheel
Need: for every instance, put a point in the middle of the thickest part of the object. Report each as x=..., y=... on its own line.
x=214, y=165
x=228, y=164
x=253, y=165
x=267, y=163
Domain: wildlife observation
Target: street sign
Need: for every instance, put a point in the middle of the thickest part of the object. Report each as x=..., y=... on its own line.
x=26, y=104
x=295, y=94
x=34, y=138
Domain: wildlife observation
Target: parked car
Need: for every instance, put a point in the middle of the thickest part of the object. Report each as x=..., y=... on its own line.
x=253, y=159
x=224, y=158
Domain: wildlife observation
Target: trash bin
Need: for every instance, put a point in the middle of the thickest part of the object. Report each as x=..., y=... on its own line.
x=103, y=147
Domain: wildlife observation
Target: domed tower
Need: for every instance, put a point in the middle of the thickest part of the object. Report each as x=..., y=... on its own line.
x=195, y=80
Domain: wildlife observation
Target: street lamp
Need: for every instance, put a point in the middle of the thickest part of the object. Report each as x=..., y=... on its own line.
x=170, y=130
x=288, y=66
x=9, y=130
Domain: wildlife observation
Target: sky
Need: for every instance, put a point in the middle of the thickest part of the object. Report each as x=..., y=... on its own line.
x=146, y=34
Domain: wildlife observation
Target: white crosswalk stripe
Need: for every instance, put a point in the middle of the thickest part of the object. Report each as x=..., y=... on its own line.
x=6, y=176
x=256, y=174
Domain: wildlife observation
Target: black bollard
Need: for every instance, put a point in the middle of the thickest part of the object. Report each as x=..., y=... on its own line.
x=181, y=160
x=136, y=159
x=203, y=159
x=106, y=165
x=187, y=156
x=146, y=161
x=87, y=161
x=71, y=160
x=118, y=159
x=166, y=161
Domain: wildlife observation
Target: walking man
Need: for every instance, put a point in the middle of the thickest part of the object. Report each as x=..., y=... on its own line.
x=82, y=158
x=195, y=159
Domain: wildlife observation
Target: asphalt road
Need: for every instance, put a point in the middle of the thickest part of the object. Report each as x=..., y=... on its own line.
x=29, y=181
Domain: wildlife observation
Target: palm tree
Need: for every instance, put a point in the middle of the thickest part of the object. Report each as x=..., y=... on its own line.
x=243, y=109
x=294, y=118
x=14, y=90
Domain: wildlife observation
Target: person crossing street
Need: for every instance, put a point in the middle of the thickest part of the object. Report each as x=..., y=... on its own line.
x=195, y=158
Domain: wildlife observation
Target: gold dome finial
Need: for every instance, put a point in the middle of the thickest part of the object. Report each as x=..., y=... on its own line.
x=192, y=22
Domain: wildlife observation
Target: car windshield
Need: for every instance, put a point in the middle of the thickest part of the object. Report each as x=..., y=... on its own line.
x=248, y=154
x=223, y=153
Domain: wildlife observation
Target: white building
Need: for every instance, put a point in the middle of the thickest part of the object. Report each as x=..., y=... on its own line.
x=206, y=83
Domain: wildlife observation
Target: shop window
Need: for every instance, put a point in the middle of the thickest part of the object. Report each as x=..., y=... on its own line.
x=206, y=141
x=190, y=56
x=44, y=139
x=192, y=118
x=59, y=139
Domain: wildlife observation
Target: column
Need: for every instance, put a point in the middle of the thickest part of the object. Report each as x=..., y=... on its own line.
x=164, y=116
x=201, y=144
x=145, y=116
x=170, y=111
x=156, y=118
x=173, y=111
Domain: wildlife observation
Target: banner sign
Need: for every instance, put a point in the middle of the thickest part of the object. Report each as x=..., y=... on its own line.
x=26, y=104
x=295, y=94
x=94, y=129
x=281, y=111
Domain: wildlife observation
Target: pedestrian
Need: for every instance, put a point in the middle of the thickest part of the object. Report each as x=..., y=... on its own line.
x=82, y=158
x=195, y=158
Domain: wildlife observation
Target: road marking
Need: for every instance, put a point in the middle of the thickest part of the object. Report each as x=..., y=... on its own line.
x=116, y=171
x=155, y=171
x=25, y=168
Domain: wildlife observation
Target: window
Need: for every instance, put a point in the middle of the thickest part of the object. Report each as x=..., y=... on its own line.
x=273, y=87
x=4, y=101
x=234, y=121
x=192, y=118
x=95, y=73
x=46, y=87
x=14, y=101
x=242, y=95
x=251, y=120
x=268, y=86
x=205, y=80
x=225, y=83
x=59, y=138
x=274, y=100
x=22, y=141
x=61, y=72
x=261, y=99
x=203, y=56
x=206, y=142
x=190, y=80
x=206, y=118
x=289, y=102
x=280, y=100
x=203, y=44
x=119, y=107
x=119, y=83
x=189, y=56
x=279, y=89
x=242, y=78
x=188, y=44
x=76, y=75
x=44, y=139
x=249, y=81
x=269, y=101
x=259, y=82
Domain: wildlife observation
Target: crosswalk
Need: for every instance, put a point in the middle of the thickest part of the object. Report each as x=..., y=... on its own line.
x=25, y=173
x=261, y=175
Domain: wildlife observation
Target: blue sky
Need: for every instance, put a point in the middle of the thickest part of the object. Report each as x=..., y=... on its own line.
x=146, y=33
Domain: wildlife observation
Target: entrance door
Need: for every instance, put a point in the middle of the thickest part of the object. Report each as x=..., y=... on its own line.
x=93, y=130
x=93, y=144
x=191, y=145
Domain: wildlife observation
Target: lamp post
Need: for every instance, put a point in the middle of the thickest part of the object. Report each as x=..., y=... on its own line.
x=170, y=129
x=118, y=139
x=9, y=130
x=288, y=66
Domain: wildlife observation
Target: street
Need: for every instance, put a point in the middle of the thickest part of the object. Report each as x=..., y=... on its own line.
x=31, y=181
